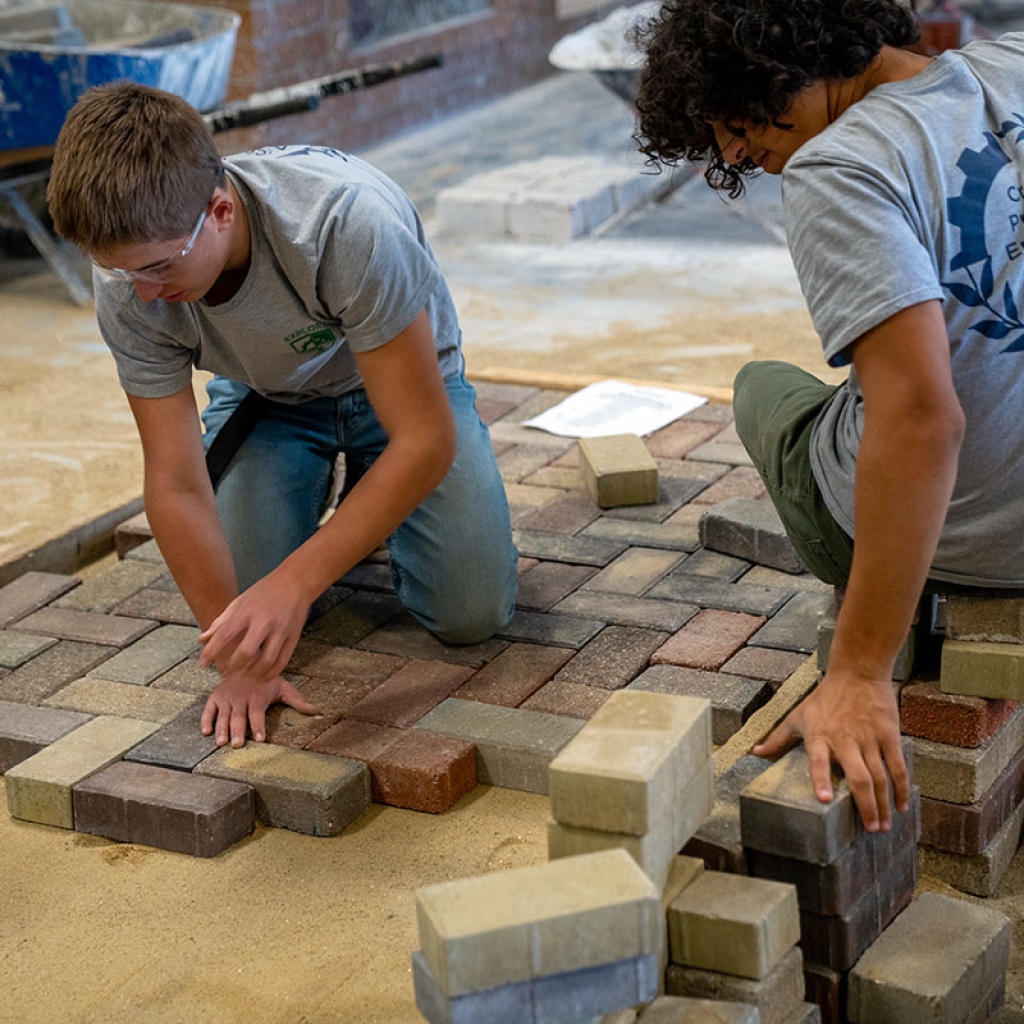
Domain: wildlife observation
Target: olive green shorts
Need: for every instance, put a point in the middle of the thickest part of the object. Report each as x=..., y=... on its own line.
x=776, y=406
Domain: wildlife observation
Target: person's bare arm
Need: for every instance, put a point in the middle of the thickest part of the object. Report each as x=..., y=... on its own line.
x=906, y=469
x=183, y=516
x=258, y=631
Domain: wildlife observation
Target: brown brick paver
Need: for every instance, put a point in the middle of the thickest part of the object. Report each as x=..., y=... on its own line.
x=514, y=675
x=708, y=640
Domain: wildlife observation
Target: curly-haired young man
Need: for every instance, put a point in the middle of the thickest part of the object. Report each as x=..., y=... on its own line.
x=302, y=278
x=902, y=188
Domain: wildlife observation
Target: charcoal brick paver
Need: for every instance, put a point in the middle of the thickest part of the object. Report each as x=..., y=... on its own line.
x=548, y=583
x=85, y=627
x=514, y=746
x=123, y=700
x=161, y=605
x=178, y=744
x=673, y=493
x=764, y=663
x=635, y=571
x=671, y=535
x=579, y=550
x=151, y=656
x=25, y=730
x=616, y=656
x=100, y=593
x=410, y=693
x=750, y=529
x=141, y=803
x=730, y=597
x=354, y=619
x=708, y=640
x=296, y=789
x=405, y=638
x=17, y=648
x=795, y=626
x=54, y=668
x=30, y=592
x=715, y=566
x=514, y=675
x=626, y=610
x=562, y=630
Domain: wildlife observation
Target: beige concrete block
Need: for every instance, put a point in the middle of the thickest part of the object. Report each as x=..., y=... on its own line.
x=629, y=765
x=123, y=700
x=536, y=921
x=618, y=470
x=982, y=669
x=39, y=788
x=734, y=924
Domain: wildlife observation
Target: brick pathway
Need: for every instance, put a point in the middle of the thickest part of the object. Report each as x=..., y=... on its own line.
x=622, y=597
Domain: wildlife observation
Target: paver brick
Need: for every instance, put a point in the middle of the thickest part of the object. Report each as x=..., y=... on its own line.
x=762, y=576
x=100, y=593
x=838, y=941
x=405, y=638
x=122, y=700
x=618, y=470
x=524, y=459
x=559, y=697
x=657, y=849
x=296, y=789
x=354, y=619
x=906, y=657
x=795, y=626
x=715, y=565
x=568, y=515
x=805, y=1013
x=30, y=591
x=572, y=995
x=763, y=663
x=902, y=978
x=987, y=618
x=538, y=921
x=514, y=746
x=151, y=656
x=562, y=630
x=25, y=730
x=680, y=1010
x=188, y=677
x=680, y=437
x=86, y=627
x=742, y=926
x=131, y=533
x=560, y=478
x=826, y=988
x=979, y=874
x=674, y=491
x=626, y=610
x=287, y=727
x=950, y=718
x=408, y=694
x=171, y=810
x=777, y=995
x=739, y=482
x=672, y=534
x=157, y=604
x=708, y=640
x=628, y=766
x=634, y=571
x=17, y=648
x=750, y=529
x=317, y=660
x=968, y=828
x=147, y=552
x=179, y=744
x=981, y=669
x=556, y=547
x=39, y=788
x=54, y=668
x=962, y=775
x=616, y=656
x=729, y=597
x=514, y=675
x=547, y=583
x=733, y=698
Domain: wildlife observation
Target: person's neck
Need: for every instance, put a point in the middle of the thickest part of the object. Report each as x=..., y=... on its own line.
x=891, y=65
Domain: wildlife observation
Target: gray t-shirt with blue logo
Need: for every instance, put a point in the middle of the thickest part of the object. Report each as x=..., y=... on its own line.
x=915, y=193
x=340, y=264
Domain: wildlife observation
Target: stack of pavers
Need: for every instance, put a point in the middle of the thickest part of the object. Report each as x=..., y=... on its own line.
x=849, y=883
x=969, y=743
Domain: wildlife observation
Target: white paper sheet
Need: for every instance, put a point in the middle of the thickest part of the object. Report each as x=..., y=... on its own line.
x=614, y=407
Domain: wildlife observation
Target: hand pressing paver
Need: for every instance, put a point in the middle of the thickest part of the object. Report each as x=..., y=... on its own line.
x=538, y=921
x=742, y=926
x=750, y=529
x=30, y=592
x=904, y=978
x=39, y=788
x=25, y=730
x=171, y=810
x=296, y=789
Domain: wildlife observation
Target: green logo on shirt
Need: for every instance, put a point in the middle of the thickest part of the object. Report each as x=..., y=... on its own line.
x=312, y=339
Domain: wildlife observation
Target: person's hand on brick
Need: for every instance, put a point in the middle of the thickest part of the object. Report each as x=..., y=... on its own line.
x=239, y=704
x=853, y=721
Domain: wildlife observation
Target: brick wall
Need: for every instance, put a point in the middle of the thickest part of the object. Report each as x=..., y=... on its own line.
x=283, y=42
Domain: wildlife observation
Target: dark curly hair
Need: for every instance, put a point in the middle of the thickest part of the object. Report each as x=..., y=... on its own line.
x=743, y=60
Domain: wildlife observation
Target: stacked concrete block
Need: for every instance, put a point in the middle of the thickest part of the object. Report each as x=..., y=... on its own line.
x=751, y=529
x=983, y=653
x=552, y=199
x=941, y=960
x=618, y=470
x=638, y=775
x=849, y=884
x=547, y=944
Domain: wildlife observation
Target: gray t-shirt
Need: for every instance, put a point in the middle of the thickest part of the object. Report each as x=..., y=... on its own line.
x=915, y=193
x=340, y=264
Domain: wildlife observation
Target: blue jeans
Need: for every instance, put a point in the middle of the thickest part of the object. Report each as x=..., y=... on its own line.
x=453, y=562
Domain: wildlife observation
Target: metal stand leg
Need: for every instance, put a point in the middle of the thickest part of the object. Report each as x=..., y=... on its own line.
x=44, y=243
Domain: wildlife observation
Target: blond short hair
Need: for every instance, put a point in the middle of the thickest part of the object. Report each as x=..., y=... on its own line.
x=132, y=165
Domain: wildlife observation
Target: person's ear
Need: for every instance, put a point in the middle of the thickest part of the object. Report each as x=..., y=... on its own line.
x=222, y=209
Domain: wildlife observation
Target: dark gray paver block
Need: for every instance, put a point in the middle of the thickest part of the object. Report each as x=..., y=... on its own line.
x=179, y=744
x=673, y=493
x=147, y=552
x=613, y=658
x=151, y=656
x=171, y=810
x=556, y=547
x=159, y=604
x=795, y=626
x=669, y=535
x=296, y=789
x=100, y=593
x=626, y=610
x=54, y=668
x=715, y=566
x=557, y=629
x=354, y=619
x=750, y=529
x=31, y=591
x=86, y=627
x=25, y=730
x=547, y=583
x=730, y=597
x=902, y=978
x=406, y=638
x=514, y=746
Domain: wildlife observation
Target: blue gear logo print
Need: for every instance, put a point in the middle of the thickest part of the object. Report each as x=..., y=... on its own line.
x=981, y=167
